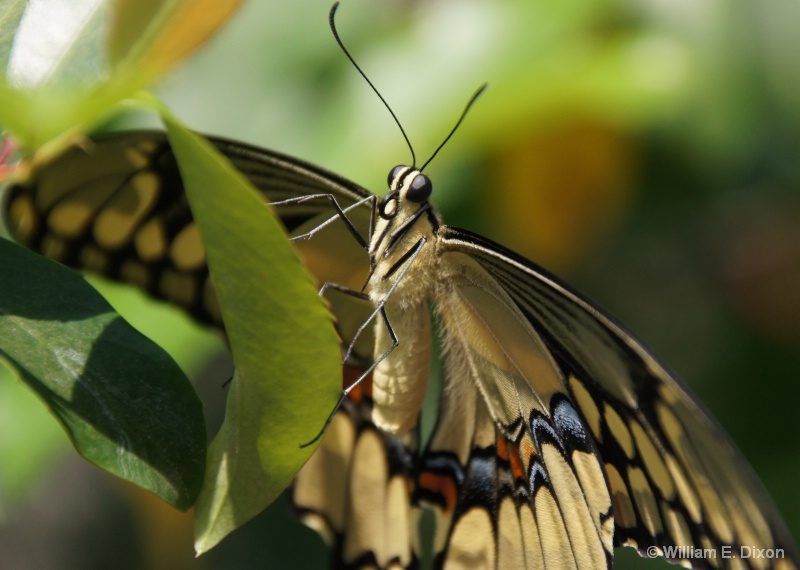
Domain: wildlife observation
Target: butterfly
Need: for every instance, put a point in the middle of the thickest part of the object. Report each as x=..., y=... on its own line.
x=559, y=436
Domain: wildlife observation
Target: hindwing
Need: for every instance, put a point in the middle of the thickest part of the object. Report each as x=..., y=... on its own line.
x=355, y=491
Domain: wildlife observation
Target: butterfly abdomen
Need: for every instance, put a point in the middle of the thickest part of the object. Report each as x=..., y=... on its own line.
x=399, y=381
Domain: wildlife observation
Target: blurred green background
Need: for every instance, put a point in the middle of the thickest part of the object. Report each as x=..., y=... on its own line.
x=644, y=150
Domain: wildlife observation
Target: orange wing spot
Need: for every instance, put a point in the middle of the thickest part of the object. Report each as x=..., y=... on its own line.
x=502, y=448
x=517, y=468
x=442, y=485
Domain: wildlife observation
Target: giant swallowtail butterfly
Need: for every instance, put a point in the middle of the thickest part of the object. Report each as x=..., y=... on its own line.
x=559, y=435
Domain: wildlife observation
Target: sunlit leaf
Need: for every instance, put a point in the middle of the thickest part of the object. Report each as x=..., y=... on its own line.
x=288, y=373
x=66, y=62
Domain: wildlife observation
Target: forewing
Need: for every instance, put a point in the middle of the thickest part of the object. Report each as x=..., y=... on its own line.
x=117, y=207
x=675, y=477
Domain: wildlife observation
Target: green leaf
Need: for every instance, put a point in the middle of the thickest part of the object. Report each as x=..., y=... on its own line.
x=122, y=400
x=63, y=64
x=287, y=356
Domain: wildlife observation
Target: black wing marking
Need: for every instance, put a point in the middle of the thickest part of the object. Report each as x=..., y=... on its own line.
x=117, y=207
x=675, y=478
x=513, y=475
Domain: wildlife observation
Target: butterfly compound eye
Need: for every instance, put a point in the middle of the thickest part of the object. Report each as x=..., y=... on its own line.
x=394, y=173
x=420, y=189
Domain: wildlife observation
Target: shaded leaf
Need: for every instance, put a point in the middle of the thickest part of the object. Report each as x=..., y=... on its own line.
x=123, y=401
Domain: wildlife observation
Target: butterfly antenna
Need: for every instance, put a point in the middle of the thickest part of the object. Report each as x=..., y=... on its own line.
x=477, y=93
x=364, y=75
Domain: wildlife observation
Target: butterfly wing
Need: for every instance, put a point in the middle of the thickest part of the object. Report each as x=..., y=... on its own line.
x=572, y=419
x=515, y=479
x=355, y=491
x=671, y=474
x=117, y=207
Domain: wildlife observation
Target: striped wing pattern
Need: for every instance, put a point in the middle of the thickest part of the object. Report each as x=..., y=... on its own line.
x=559, y=435
x=117, y=207
x=355, y=491
x=674, y=477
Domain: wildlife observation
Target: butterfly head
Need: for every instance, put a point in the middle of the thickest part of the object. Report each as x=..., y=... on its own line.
x=408, y=187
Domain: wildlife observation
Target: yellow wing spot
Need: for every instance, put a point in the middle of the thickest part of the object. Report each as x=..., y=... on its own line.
x=556, y=549
x=319, y=485
x=472, y=542
x=619, y=430
x=139, y=155
x=71, y=216
x=715, y=513
x=587, y=406
x=23, y=219
x=510, y=542
x=624, y=513
x=398, y=515
x=187, y=249
x=53, y=247
x=151, y=241
x=671, y=425
x=677, y=527
x=119, y=218
x=652, y=461
x=367, y=485
x=93, y=259
x=668, y=395
x=685, y=491
x=178, y=287
x=530, y=538
x=595, y=489
x=135, y=273
x=645, y=501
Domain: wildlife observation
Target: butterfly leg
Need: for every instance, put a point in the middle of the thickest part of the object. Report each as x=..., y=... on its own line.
x=340, y=214
x=380, y=309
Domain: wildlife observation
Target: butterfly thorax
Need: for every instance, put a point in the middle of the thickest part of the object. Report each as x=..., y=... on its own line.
x=404, y=272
